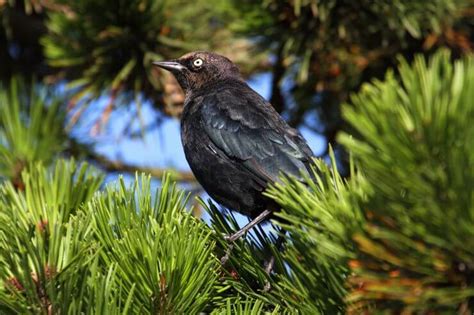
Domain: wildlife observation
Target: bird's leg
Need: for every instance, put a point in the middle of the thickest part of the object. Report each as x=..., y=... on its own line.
x=269, y=265
x=226, y=257
x=262, y=216
x=232, y=238
x=278, y=244
x=271, y=262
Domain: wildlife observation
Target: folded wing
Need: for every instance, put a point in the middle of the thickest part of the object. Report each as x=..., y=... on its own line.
x=246, y=128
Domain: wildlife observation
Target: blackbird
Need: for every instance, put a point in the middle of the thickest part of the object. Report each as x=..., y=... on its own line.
x=234, y=141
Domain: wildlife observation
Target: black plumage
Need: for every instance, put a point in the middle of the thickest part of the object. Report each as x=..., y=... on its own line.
x=234, y=140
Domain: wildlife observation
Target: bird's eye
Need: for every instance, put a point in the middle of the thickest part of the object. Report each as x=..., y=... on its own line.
x=198, y=62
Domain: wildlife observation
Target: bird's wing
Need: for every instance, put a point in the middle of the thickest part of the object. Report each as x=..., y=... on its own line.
x=245, y=127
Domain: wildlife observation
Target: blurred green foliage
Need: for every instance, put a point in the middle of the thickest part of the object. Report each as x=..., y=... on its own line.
x=317, y=51
x=324, y=50
x=31, y=127
x=110, y=45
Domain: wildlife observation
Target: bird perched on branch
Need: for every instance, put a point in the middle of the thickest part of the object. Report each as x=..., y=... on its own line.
x=234, y=141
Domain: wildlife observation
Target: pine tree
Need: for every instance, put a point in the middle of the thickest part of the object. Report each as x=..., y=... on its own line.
x=395, y=236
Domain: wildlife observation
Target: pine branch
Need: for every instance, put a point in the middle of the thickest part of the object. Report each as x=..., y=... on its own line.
x=109, y=165
x=119, y=166
x=413, y=142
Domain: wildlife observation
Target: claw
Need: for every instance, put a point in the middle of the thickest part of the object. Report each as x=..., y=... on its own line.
x=226, y=257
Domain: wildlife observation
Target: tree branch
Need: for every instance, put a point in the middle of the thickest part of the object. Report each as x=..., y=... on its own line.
x=118, y=166
x=109, y=165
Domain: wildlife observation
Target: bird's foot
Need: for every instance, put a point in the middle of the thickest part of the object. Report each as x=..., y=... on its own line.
x=226, y=257
x=268, y=270
x=267, y=287
x=269, y=265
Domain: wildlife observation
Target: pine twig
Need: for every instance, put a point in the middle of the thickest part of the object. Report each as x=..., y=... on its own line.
x=110, y=165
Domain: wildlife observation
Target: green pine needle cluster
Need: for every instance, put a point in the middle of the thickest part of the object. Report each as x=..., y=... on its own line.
x=319, y=218
x=161, y=253
x=68, y=248
x=47, y=263
x=415, y=147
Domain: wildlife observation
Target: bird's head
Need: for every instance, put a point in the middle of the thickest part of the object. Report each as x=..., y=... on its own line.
x=198, y=69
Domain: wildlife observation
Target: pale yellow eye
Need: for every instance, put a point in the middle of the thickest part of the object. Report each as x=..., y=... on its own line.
x=198, y=62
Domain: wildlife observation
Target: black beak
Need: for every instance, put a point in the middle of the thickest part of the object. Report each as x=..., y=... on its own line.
x=169, y=65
